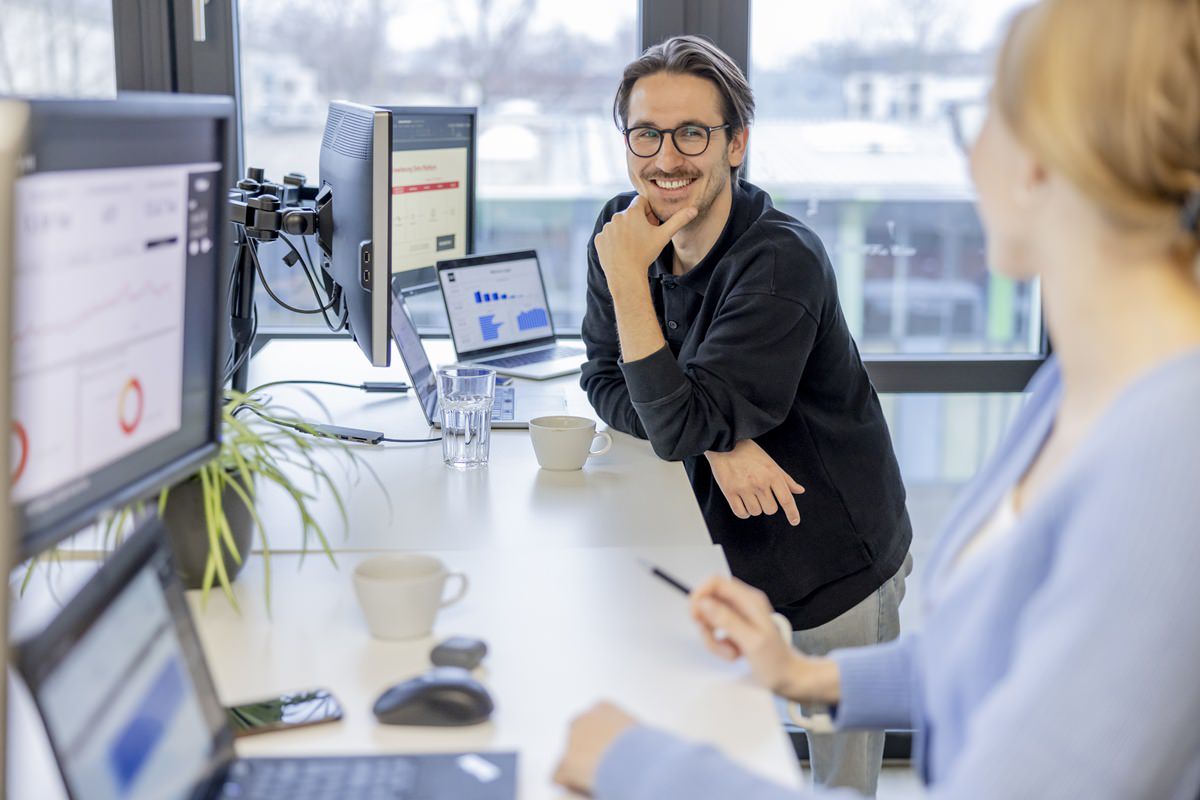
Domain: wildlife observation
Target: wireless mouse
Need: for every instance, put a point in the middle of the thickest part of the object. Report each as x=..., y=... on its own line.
x=442, y=697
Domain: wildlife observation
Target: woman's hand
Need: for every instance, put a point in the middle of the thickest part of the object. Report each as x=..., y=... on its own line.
x=591, y=734
x=737, y=620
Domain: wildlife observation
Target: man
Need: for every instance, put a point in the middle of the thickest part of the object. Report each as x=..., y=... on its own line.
x=713, y=329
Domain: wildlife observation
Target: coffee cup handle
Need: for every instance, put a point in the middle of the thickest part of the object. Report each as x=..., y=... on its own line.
x=607, y=443
x=462, y=589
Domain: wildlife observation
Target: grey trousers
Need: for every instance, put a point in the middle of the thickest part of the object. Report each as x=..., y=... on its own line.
x=852, y=760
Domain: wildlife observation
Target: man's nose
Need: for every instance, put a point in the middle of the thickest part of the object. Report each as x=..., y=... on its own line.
x=669, y=159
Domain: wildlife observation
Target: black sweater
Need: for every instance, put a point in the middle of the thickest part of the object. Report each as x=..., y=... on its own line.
x=757, y=348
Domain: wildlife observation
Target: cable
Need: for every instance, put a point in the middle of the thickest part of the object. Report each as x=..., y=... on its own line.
x=249, y=347
x=366, y=386
x=317, y=434
x=262, y=277
x=309, y=273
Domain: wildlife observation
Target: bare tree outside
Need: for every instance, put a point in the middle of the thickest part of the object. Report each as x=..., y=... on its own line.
x=61, y=48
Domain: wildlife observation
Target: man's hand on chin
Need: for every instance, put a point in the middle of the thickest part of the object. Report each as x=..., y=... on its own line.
x=632, y=239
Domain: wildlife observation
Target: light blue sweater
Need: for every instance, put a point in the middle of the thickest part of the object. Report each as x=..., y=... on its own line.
x=1063, y=661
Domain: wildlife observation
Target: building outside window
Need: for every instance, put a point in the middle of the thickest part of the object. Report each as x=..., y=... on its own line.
x=541, y=73
x=854, y=137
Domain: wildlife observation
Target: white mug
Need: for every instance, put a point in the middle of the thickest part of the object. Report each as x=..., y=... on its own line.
x=564, y=442
x=401, y=594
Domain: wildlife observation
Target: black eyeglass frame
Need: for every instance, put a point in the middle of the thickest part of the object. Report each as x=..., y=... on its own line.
x=957, y=111
x=708, y=132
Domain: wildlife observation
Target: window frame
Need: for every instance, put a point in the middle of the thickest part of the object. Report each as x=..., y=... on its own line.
x=156, y=51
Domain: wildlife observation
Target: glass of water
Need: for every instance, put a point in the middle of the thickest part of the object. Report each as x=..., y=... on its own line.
x=465, y=396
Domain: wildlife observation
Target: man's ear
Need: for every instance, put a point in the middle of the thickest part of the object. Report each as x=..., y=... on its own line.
x=737, y=147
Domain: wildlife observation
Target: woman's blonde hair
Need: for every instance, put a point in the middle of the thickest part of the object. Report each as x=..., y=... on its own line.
x=1107, y=92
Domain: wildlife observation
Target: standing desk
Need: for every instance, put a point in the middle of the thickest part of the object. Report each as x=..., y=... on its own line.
x=556, y=590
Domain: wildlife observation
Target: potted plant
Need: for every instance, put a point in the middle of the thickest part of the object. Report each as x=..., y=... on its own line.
x=210, y=517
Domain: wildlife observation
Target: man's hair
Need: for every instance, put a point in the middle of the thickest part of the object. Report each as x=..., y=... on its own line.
x=691, y=55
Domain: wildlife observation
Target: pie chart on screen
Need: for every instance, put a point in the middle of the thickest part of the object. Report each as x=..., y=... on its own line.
x=130, y=405
x=20, y=446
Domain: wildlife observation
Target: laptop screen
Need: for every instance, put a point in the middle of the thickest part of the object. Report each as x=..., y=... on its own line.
x=121, y=696
x=495, y=301
x=412, y=353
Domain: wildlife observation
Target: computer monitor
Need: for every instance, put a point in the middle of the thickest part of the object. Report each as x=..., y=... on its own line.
x=433, y=191
x=356, y=157
x=119, y=273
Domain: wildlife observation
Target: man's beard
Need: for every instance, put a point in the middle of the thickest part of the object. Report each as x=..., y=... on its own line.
x=721, y=180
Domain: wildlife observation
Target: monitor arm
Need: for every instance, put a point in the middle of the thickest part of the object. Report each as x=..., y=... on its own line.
x=260, y=212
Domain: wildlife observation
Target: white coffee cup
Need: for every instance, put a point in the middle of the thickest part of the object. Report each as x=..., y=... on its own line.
x=401, y=594
x=564, y=442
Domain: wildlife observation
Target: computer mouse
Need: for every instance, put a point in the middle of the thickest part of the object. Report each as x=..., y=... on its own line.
x=444, y=696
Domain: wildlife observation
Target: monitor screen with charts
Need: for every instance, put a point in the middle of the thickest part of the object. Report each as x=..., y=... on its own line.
x=118, y=256
x=495, y=302
x=433, y=190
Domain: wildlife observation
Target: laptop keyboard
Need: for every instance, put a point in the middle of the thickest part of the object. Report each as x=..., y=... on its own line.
x=535, y=357
x=363, y=778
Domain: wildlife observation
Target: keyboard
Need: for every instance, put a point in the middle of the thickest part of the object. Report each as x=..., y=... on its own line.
x=534, y=357
x=363, y=778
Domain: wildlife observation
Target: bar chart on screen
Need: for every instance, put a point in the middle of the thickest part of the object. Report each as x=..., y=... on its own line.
x=492, y=304
x=98, y=322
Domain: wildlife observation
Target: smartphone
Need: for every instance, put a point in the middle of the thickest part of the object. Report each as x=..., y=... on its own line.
x=286, y=711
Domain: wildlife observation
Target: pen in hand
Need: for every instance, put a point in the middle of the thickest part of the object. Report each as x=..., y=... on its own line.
x=659, y=573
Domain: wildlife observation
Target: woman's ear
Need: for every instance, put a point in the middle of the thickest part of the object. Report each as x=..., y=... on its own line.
x=1033, y=181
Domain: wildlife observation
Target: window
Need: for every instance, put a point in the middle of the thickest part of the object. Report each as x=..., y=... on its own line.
x=941, y=441
x=60, y=48
x=542, y=74
x=852, y=137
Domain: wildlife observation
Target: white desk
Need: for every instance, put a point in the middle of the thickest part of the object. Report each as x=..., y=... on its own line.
x=570, y=616
x=565, y=627
x=627, y=497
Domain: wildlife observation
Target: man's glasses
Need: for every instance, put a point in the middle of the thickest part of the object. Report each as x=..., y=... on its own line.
x=690, y=140
x=966, y=122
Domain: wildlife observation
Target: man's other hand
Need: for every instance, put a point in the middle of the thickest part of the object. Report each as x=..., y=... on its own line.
x=632, y=239
x=753, y=483
x=592, y=733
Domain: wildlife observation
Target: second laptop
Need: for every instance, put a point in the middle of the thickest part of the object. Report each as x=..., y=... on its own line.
x=500, y=316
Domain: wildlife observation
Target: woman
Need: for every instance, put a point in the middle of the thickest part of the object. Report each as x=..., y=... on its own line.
x=1060, y=655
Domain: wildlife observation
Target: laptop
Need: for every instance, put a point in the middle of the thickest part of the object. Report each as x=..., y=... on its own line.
x=131, y=712
x=511, y=408
x=500, y=317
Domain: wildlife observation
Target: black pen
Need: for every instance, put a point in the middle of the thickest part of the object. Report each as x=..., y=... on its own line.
x=678, y=584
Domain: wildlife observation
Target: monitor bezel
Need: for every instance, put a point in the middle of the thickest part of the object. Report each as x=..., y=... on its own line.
x=13, y=121
x=219, y=111
x=424, y=279
x=346, y=264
